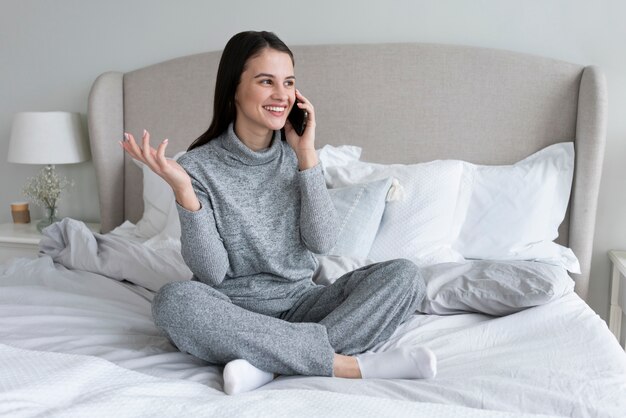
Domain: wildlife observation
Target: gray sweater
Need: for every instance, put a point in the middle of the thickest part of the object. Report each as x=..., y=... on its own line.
x=259, y=222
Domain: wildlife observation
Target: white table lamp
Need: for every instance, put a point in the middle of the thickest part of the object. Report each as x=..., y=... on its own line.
x=47, y=138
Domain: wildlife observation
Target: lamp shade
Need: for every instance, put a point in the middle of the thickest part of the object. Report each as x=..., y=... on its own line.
x=47, y=138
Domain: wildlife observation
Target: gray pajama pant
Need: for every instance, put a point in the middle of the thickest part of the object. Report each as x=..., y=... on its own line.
x=359, y=310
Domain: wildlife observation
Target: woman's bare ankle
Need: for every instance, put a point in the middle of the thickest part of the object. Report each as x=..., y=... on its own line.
x=346, y=366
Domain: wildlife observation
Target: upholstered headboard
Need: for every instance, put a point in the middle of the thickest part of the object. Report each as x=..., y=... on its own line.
x=400, y=102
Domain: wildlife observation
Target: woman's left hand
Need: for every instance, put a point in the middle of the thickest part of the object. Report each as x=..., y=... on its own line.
x=306, y=143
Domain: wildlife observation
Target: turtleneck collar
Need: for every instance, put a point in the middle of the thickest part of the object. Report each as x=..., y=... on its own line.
x=240, y=152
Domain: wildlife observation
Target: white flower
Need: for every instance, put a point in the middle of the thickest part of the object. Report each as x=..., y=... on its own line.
x=46, y=188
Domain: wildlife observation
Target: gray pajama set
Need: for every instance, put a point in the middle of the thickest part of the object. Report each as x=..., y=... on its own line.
x=250, y=250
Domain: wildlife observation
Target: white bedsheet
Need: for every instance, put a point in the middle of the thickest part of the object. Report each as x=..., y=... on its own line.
x=35, y=383
x=557, y=359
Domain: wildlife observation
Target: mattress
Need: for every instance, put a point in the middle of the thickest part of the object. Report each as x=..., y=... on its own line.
x=556, y=359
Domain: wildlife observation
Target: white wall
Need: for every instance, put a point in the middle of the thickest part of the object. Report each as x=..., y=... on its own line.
x=51, y=51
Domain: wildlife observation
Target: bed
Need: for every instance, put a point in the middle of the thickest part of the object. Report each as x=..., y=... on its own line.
x=76, y=334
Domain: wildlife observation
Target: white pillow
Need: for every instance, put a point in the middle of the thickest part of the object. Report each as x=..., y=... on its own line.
x=423, y=225
x=335, y=156
x=157, y=202
x=169, y=237
x=515, y=211
x=359, y=208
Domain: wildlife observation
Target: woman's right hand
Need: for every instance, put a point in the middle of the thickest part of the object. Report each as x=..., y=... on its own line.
x=168, y=169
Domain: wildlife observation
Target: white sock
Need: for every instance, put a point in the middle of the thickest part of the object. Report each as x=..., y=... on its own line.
x=241, y=376
x=399, y=363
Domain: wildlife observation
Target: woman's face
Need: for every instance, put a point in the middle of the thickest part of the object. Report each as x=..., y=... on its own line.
x=265, y=94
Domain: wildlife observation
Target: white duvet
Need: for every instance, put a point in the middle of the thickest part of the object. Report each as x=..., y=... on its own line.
x=555, y=359
x=35, y=383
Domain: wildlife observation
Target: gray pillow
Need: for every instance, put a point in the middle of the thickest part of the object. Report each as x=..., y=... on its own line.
x=492, y=287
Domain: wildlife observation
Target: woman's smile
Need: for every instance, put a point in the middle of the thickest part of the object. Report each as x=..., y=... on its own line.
x=275, y=110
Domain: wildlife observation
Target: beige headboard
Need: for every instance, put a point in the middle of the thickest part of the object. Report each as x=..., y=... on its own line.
x=401, y=102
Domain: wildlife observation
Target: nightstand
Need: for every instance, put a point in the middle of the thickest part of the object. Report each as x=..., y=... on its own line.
x=22, y=240
x=618, y=292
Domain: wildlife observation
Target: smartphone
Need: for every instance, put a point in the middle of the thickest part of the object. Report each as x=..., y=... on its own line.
x=298, y=118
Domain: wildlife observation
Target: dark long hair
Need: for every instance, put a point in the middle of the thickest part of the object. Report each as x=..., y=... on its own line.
x=239, y=49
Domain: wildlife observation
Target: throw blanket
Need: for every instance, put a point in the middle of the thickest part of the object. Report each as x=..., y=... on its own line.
x=69, y=242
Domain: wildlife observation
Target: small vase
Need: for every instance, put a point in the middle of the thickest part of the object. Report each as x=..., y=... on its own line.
x=49, y=218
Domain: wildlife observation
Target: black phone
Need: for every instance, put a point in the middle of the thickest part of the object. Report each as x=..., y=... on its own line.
x=298, y=118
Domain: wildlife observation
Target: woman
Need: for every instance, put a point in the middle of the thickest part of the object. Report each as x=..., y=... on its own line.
x=253, y=208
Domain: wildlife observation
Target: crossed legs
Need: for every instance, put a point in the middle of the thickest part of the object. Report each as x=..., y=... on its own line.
x=349, y=317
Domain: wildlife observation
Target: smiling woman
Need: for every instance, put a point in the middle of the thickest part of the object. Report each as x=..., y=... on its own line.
x=245, y=47
x=265, y=93
x=253, y=209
